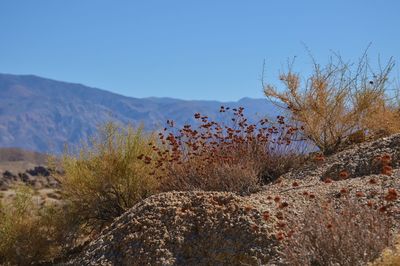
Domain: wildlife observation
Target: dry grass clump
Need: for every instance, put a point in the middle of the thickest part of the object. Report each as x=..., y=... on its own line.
x=28, y=232
x=106, y=178
x=337, y=100
x=384, y=119
x=389, y=257
x=352, y=234
x=236, y=156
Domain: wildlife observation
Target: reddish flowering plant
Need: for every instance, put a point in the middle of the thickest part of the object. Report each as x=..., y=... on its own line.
x=392, y=195
x=387, y=170
x=344, y=191
x=383, y=164
x=319, y=158
x=383, y=208
x=343, y=175
x=372, y=181
x=280, y=236
x=254, y=227
x=266, y=215
x=360, y=194
x=226, y=156
x=248, y=209
x=277, y=198
x=386, y=159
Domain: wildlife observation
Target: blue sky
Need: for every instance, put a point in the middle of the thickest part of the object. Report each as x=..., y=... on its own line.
x=208, y=49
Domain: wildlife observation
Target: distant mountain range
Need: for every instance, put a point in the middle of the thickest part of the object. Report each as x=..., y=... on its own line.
x=43, y=115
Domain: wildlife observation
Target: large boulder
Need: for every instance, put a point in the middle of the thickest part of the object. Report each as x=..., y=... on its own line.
x=184, y=228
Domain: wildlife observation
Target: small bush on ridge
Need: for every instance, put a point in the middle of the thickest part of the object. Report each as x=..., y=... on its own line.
x=349, y=235
x=106, y=178
x=338, y=100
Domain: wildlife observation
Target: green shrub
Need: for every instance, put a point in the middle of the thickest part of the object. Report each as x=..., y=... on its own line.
x=27, y=231
x=107, y=177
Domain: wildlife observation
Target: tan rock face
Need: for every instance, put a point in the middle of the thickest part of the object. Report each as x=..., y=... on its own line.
x=185, y=228
x=218, y=228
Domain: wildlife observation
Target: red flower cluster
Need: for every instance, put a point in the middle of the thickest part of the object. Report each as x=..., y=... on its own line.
x=216, y=143
x=343, y=175
x=385, y=162
x=392, y=195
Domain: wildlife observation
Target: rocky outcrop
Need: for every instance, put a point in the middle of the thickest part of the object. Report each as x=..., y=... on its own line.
x=25, y=167
x=38, y=177
x=184, y=228
x=218, y=228
x=358, y=161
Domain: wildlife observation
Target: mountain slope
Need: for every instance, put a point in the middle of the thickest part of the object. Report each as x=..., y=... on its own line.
x=42, y=114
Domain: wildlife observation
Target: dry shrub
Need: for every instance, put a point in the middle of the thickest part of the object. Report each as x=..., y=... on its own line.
x=337, y=100
x=389, y=257
x=236, y=156
x=384, y=119
x=27, y=231
x=106, y=178
x=352, y=234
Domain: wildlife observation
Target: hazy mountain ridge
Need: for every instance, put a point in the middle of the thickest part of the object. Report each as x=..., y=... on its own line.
x=42, y=114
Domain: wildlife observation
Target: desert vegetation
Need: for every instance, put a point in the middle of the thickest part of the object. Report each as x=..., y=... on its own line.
x=389, y=257
x=337, y=105
x=353, y=234
x=234, y=156
x=339, y=100
x=107, y=177
x=29, y=233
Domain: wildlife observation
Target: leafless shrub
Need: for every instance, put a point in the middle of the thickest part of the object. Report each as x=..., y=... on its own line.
x=337, y=100
x=352, y=234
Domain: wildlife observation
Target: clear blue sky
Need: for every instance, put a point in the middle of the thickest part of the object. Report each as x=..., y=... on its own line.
x=208, y=49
